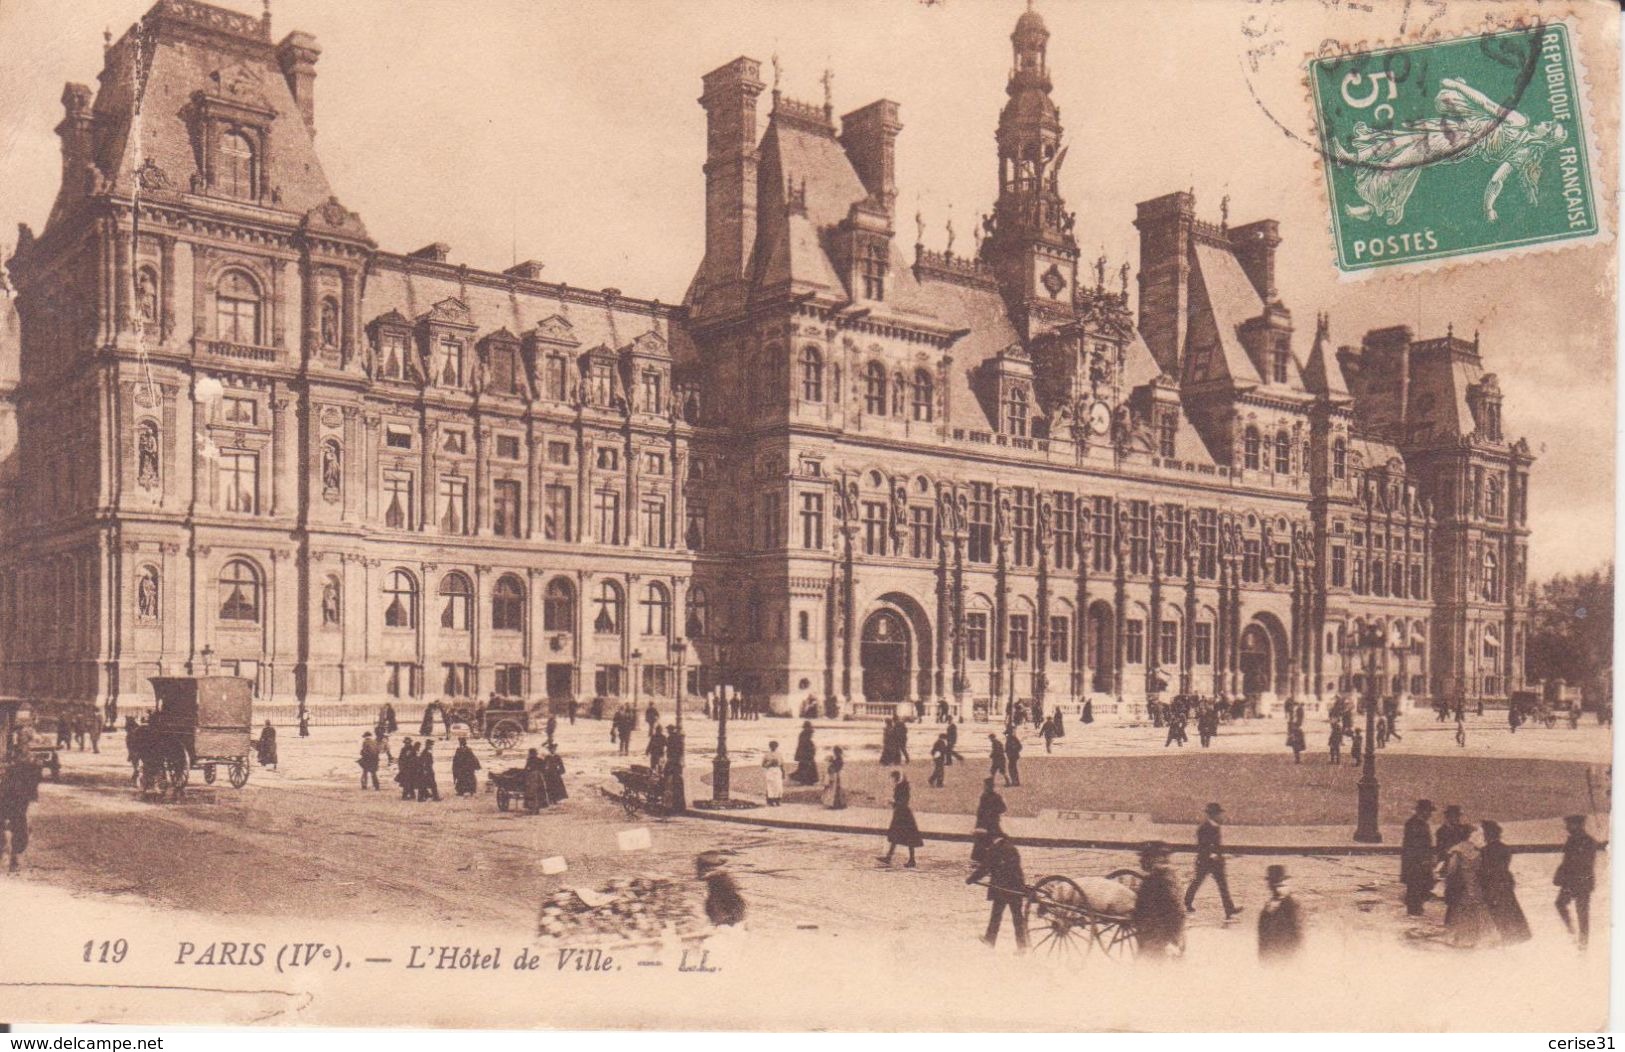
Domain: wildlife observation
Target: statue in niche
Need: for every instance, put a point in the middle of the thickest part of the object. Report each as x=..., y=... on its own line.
x=332, y=472
x=146, y=296
x=146, y=594
x=329, y=324
x=147, y=456
x=330, y=603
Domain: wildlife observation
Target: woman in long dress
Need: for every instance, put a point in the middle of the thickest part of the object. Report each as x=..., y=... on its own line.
x=834, y=795
x=773, y=775
x=1499, y=887
x=553, y=775
x=806, y=772
x=904, y=831
x=1466, y=920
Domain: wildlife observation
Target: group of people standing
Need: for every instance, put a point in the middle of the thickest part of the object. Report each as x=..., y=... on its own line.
x=1480, y=892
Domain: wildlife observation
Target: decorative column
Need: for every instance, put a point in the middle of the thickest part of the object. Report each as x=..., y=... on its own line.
x=944, y=605
x=1040, y=631
x=1001, y=602
x=482, y=481
x=166, y=287
x=121, y=279
x=1187, y=670
x=1080, y=648
x=1119, y=644
x=279, y=439
x=1153, y=630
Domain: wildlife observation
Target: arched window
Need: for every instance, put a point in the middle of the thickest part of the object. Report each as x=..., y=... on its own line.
x=1492, y=575
x=1015, y=412
x=874, y=389
x=400, y=600
x=699, y=613
x=237, y=308
x=146, y=294
x=1340, y=459
x=924, y=395
x=656, y=610
x=559, y=606
x=899, y=394
x=1283, y=452
x=812, y=375
x=238, y=170
x=1251, y=449
x=459, y=601
x=508, y=605
x=240, y=592
x=607, y=621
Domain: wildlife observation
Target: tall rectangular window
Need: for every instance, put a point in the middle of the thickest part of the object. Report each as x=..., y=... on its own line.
x=1202, y=642
x=450, y=373
x=1018, y=636
x=1340, y=565
x=1139, y=536
x=606, y=510
x=1134, y=641
x=694, y=531
x=240, y=481
x=1065, y=535
x=654, y=522
x=874, y=527
x=1173, y=540
x=979, y=538
x=1021, y=531
x=1103, y=533
x=558, y=519
x=1207, y=543
x=398, y=512
x=812, y=521
x=772, y=520
x=505, y=505
x=393, y=350
x=651, y=392
x=922, y=533
x=976, y=636
x=452, y=514
x=1251, y=561
x=401, y=679
x=1059, y=635
x=1168, y=640
x=1167, y=434
x=510, y=681
x=1283, y=562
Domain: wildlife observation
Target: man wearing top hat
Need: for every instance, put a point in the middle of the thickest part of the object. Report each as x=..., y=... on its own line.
x=1280, y=923
x=1210, y=861
x=1416, y=858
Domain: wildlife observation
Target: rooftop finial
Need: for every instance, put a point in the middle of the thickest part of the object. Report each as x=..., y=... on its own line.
x=950, y=250
x=828, y=80
x=776, y=71
x=1224, y=212
x=107, y=38
x=1100, y=269
x=266, y=14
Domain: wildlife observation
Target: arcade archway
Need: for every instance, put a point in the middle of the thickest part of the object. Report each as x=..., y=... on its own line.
x=884, y=656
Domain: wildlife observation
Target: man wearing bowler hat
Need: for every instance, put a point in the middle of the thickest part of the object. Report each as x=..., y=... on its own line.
x=1210, y=860
x=1416, y=859
x=1280, y=923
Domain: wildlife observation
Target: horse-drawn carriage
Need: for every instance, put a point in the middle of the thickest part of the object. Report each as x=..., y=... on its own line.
x=1073, y=918
x=199, y=723
x=502, y=723
x=643, y=789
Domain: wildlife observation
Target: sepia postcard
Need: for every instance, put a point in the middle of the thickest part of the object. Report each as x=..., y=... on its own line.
x=905, y=515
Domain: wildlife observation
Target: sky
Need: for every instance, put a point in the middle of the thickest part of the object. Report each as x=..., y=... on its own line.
x=569, y=132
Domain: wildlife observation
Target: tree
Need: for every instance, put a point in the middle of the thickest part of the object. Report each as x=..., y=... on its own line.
x=1572, y=631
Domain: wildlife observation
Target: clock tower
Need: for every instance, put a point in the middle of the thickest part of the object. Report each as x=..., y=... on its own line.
x=1029, y=240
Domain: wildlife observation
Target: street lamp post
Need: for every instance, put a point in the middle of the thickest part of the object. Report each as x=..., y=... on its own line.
x=676, y=796
x=208, y=659
x=1366, y=830
x=1010, y=706
x=636, y=656
x=721, y=766
x=678, y=648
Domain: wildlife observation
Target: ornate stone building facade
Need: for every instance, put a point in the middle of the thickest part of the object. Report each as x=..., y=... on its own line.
x=251, y=439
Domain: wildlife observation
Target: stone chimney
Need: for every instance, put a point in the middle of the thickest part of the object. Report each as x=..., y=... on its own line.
x=297, y=55
x=75, y=133
x=1165, y=225
x=1255, y=245
x=869, y=136
x=434, y=252
x=731, y=162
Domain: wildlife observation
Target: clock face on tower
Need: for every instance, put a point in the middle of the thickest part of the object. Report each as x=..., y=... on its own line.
x=1100, y=418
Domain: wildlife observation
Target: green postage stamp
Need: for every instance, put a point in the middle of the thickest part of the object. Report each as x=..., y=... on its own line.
x=1454, y=148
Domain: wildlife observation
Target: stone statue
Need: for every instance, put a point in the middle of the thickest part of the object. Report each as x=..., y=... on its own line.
x=1046, y=524
x=1001, y=521
x=146, y=594
x=919, y=228
x=329, y=324
x=146, y=296
x=332, y=475
x=330, y=603
x=147, y=456
x=899, y=519
x=1122, y=536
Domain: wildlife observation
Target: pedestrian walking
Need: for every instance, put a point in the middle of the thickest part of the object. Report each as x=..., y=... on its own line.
x=1417, y=858
x=464, y=769
x=1461, y=729
x=1006, y=889
x=989, y=820
x=724, y=905
x=806, y=757
x=79, y=733
x=772, y=775
x=406, y=771
x=426, y=724
x=953, y=743
x=1450, y=833
x=1466, y=920
x=1210, y=862
x=1048, y=734
x=368, y=760
x=888, y=742
x=535, y=783
x=904, y=831
x=996, y=758
x=428, y=784
x=656, y=749
x=393, y=723
x=834, y=792
x=1500, y=888
x=1280, y=922
x=1576, y=876
x=266, y=746
x=1295, y=742
x=19, y=787
x=96, y=734
x=1159, y=924
x=553, y=774
x=304, y=724
x=902, y=742
x=1012, y=754
x=651, y=717
x=1060, y=725
x=939, y=761
x=1382, y=732
x=551, y=727
x=1356, y=745
x=1334, y=742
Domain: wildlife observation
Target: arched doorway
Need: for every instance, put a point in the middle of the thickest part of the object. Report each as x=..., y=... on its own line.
x=1102, y=652
x=884, y=656
x=1257, y=661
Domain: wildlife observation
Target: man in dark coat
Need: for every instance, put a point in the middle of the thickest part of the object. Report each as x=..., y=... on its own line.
x=939, y=760
x=902, y=742
x=535, y=783
x=806, y=757
x=904, y=831
x=1159, y=923
x=1450, y=833
x=651, y=717
x=996, y=756
x=953, y=744
x=1006, y=888
x=656, y=749
x=1416, y=859
x=1210, y=862
x=1280, y=923
x=1575, y=879
x=464, y=764
x=1012, y=754
x=676, y=796
x=19, y=787
x=428, y=785
x=369, y=760
x=989, y=821
x=406, y=770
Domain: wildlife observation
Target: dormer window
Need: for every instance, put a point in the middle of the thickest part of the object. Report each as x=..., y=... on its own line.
x=1283, y=453
x=237, y=173
x=1340, y=459
x=874, y=389
x=1279, y=366
x=450, y=371
x=1015, y=412
x=505, y=369
x=1251, y=449
x=651, y=392
x=392, y=364
x=600, y=384
x=1492, y=418
x=874, y=271
x=1167, y=434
